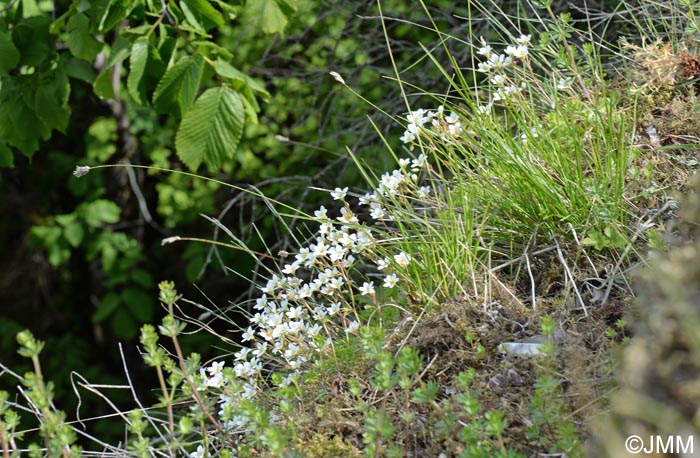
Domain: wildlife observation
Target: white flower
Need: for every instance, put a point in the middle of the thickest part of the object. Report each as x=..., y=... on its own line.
x=498, y=80
x=242, y=355
x=485, y=51
x=339, y=194
x=485, y=109
x=402, y=259
x=367, y=288
x=199, y=453
x=564, y=83
x=524, y=40
x=378, y=212
x=499, y=61
x=334, y=308
x=454, y=129
x=390, y=281
x=352, y=327
x=424, y=192
x=249, y=334
x=520, y=52
x=321, y=212
x=215, y=368
x=404, y=162
x=420, y=162
x=484, y=67
x=452, y=118
x=408, y=137
x=347, y=216
x=383, y=263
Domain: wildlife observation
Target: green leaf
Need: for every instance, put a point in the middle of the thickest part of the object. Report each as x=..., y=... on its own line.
x=103, y=85
x=19, y=125
x=30, y=8
x=123, y=324
x=138, y=62
x=201, y=15
x=178, y=86
x=271, y=15
x=115, y=12
x=31, y=38
x=101, y=212
x=107, y=305
x=79, y=69
x=143, y=278
x=9, y=55
x=139, y=302
x=80, y=41
x=7, y=159
x=211, y=129
x=51, y=100
x=74, y=233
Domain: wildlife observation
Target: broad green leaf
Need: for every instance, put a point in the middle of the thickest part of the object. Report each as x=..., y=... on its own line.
x=139, y=302
x=7, y=159
x=19, y=125
x=9, y=56
x=74, y=233
x=80, y=41
x=103, y=85
x=107, y=305
x=211, y=129
x=116, y=11
x=142, y=278
x=101, y=212
x=137, y=70
x=201, y=15
x=31, y=38
x=30, y=8
x=51, y=100
x=121, y=49
x=271, y=16
x=79, y=69
x=178, y=87
x=58, y=254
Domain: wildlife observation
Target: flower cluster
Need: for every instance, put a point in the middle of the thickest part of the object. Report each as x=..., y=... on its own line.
x=313, y=298
x=445, y=126
x=496, y=65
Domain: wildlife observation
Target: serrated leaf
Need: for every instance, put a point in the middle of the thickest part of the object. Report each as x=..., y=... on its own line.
x=137, y=70
x=271, y=16
x=139, y=303
x=80, y=41
x=211, y=129
x=201, y=15
x=107, y=305
x=9, y=55
x=115, y=12
x=101, y=212
x=178, y=86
